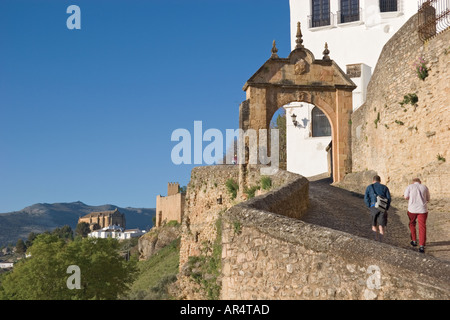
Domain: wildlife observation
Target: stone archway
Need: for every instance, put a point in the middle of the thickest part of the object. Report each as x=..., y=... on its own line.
x=301, y=78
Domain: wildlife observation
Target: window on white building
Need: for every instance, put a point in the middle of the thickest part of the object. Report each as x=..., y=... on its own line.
x=320, y=15
x=388, y=5
x=349, y=12
x=320, y=125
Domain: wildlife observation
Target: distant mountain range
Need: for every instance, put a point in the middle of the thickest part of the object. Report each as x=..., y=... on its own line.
x=44, y=216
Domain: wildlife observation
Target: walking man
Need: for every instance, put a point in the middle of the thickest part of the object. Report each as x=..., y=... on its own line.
x=418, y=196
x=378, y=216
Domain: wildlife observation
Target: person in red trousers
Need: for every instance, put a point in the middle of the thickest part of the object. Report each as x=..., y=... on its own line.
x=418, y=196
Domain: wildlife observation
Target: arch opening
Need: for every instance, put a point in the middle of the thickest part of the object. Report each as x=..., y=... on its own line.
x=308, y=140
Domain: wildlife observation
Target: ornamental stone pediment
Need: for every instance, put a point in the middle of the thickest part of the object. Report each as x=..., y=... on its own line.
x=301, y=78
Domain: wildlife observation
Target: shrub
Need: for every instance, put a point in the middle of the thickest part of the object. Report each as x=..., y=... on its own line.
x=421, y=69
x=410, y=98
x=250, y=192
x=237, y=227
x=440, y=157
x=232, y=187
x=377, y=120
x=173, y=223
x=266, y=182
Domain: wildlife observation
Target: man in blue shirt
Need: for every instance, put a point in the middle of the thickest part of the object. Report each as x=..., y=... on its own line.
x=378, y=217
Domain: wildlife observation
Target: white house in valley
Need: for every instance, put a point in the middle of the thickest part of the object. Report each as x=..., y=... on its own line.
x=6, y=265
x=355, y=32
x=116, y=232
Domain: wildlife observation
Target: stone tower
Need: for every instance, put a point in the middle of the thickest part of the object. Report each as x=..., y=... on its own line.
x=172, y=188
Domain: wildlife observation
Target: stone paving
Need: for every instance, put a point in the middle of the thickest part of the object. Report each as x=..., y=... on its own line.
x=343, y=210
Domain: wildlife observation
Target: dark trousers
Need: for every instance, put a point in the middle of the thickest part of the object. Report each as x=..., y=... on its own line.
x=378, y=217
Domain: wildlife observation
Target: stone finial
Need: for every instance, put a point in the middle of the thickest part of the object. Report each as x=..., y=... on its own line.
x=274, y=51
x=299, y=37
x=326, y=52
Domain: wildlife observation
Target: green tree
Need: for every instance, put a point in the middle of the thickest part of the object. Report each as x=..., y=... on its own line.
x=82, y=229
x=40, y=276
x=43, y=276
x=65, y=232
x=31, y=236
x=20, y=246
x=104, y=272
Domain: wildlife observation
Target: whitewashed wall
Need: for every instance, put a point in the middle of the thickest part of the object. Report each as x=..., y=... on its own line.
x=306, y=155
x=353, y=42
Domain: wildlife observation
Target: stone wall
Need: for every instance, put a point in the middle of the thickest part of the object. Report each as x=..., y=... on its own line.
x=207, y=185
x=202, y=209
x=266, y=255
x=269, y=253
x=401, y=142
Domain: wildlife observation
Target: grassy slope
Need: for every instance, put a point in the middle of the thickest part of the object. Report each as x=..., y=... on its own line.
x=156, y=273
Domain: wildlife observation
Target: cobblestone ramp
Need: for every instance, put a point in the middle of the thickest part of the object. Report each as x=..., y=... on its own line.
x=343, y=210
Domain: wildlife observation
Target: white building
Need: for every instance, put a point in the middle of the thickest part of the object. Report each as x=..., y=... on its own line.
x=116, y=232
x=6, y=265
x=355, y=31
x=307, y=140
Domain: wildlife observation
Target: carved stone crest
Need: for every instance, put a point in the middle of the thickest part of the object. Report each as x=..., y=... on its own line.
x=302, y=96
x=300, y=67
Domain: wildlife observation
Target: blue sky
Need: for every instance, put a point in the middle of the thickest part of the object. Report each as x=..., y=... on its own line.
x=88, y=114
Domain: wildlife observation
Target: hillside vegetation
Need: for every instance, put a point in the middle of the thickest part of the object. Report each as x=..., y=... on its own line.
x=103, y=273
x=42, y=217
x=159, y=254
x=156, y=274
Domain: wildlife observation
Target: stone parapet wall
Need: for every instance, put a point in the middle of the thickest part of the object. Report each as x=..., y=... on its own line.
x=202, y=209
x=291, y=199
x=207, y=184
x=402, y=142
x=269, y=253
x=269, y=256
